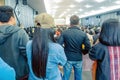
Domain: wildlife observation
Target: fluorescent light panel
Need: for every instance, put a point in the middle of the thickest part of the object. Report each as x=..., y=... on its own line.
x=99, y=1
x=101, y=11
x=57, y=1
x=79, y=1
x=88, y=6
x=117, y=2
x=80, y=9
x=72, y=6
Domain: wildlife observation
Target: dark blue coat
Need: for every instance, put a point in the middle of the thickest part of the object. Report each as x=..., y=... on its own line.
x=100, y=53
x=73, y=38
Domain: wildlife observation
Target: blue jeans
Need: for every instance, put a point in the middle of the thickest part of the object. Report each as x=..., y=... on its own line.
x=77, y=66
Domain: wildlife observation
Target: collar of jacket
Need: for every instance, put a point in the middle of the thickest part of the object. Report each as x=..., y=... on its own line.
x=74, y=27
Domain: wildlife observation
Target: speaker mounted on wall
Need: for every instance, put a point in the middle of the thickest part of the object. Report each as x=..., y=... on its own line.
x=24, y=2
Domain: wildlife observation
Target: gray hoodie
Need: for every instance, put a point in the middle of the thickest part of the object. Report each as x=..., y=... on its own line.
x=11, y=39
x=6, y=32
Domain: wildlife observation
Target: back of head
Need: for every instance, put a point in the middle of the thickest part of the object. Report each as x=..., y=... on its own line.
x=44, y=20
x=110, y=32
x=74, y=20
x=6, y=12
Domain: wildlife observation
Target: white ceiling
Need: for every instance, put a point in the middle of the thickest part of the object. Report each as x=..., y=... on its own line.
x=83, y=8
x=38, y=5
x=66, y=8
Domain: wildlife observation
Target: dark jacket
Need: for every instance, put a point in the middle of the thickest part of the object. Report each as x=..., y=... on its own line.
x=73, y=38
x=11, y=39
x=100, y=53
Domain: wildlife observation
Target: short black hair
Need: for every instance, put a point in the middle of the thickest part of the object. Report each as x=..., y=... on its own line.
x=74, y=20
x=110, y=33
x=6, y=12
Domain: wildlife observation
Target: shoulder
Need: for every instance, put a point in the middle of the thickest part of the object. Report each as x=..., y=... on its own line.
x=29, y=43
x=28, y=46
x=99, y=47
x=6, y=69
x=55, y=46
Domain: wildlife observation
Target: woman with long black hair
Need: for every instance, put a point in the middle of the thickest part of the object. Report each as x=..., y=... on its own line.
x=107, y=51
x=44, y=56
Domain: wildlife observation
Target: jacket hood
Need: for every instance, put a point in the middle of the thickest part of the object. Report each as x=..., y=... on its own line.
x=6, y=31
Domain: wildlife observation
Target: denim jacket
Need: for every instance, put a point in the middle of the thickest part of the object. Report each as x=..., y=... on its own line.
x=56, y=56
x=6, y=72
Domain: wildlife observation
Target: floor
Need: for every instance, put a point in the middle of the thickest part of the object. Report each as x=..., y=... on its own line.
x=85, y=76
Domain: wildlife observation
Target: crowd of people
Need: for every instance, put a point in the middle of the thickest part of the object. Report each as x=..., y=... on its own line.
x=39, y=57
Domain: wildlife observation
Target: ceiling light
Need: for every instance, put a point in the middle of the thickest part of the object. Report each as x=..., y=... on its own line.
x=99, y=1
x=101, y=11
x=92, y=11
x=102, y=7
x=72, y=6
x=79, y=1
x=47, y=6
x=68, y=15
x=55, y=7
x=88, y=6
x=53, y=16
x=80, y=9
x=86, y=13
x=117, y=2
x=57, y=1
x=75, y=12
x=68, y=10
x=61, y=15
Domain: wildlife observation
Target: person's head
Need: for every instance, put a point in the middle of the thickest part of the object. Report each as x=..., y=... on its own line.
x=40, y=50
x=7, y=15
x=74, y=20
x=44, y=20
x=110, y=33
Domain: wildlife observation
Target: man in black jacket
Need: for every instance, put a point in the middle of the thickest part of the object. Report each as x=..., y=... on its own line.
x=12, y=38
x=73, y=39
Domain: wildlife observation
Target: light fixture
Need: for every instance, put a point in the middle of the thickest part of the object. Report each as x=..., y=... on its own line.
x=62, y=14
x=99, y=1
x=55, y=7
x=79, y=1
x=75, y=12
x=80, y=10
x=57, y=1
x=88, y=6
x=117, y=2
x=72, y=6
x=92, y=11
x=68, y=10
x=101, y=11
x=47, y=6
x=102, y=7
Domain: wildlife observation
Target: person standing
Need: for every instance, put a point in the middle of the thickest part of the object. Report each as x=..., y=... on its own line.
x=6, y=72
x=107, y=51
x=12, y=41
x=73, y=38
x=44, y=56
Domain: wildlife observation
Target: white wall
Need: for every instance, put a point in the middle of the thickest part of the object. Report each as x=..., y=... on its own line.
x=95, y=21
x=24, y=12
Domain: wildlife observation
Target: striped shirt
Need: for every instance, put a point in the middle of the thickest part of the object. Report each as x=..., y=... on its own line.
x=114, y=53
